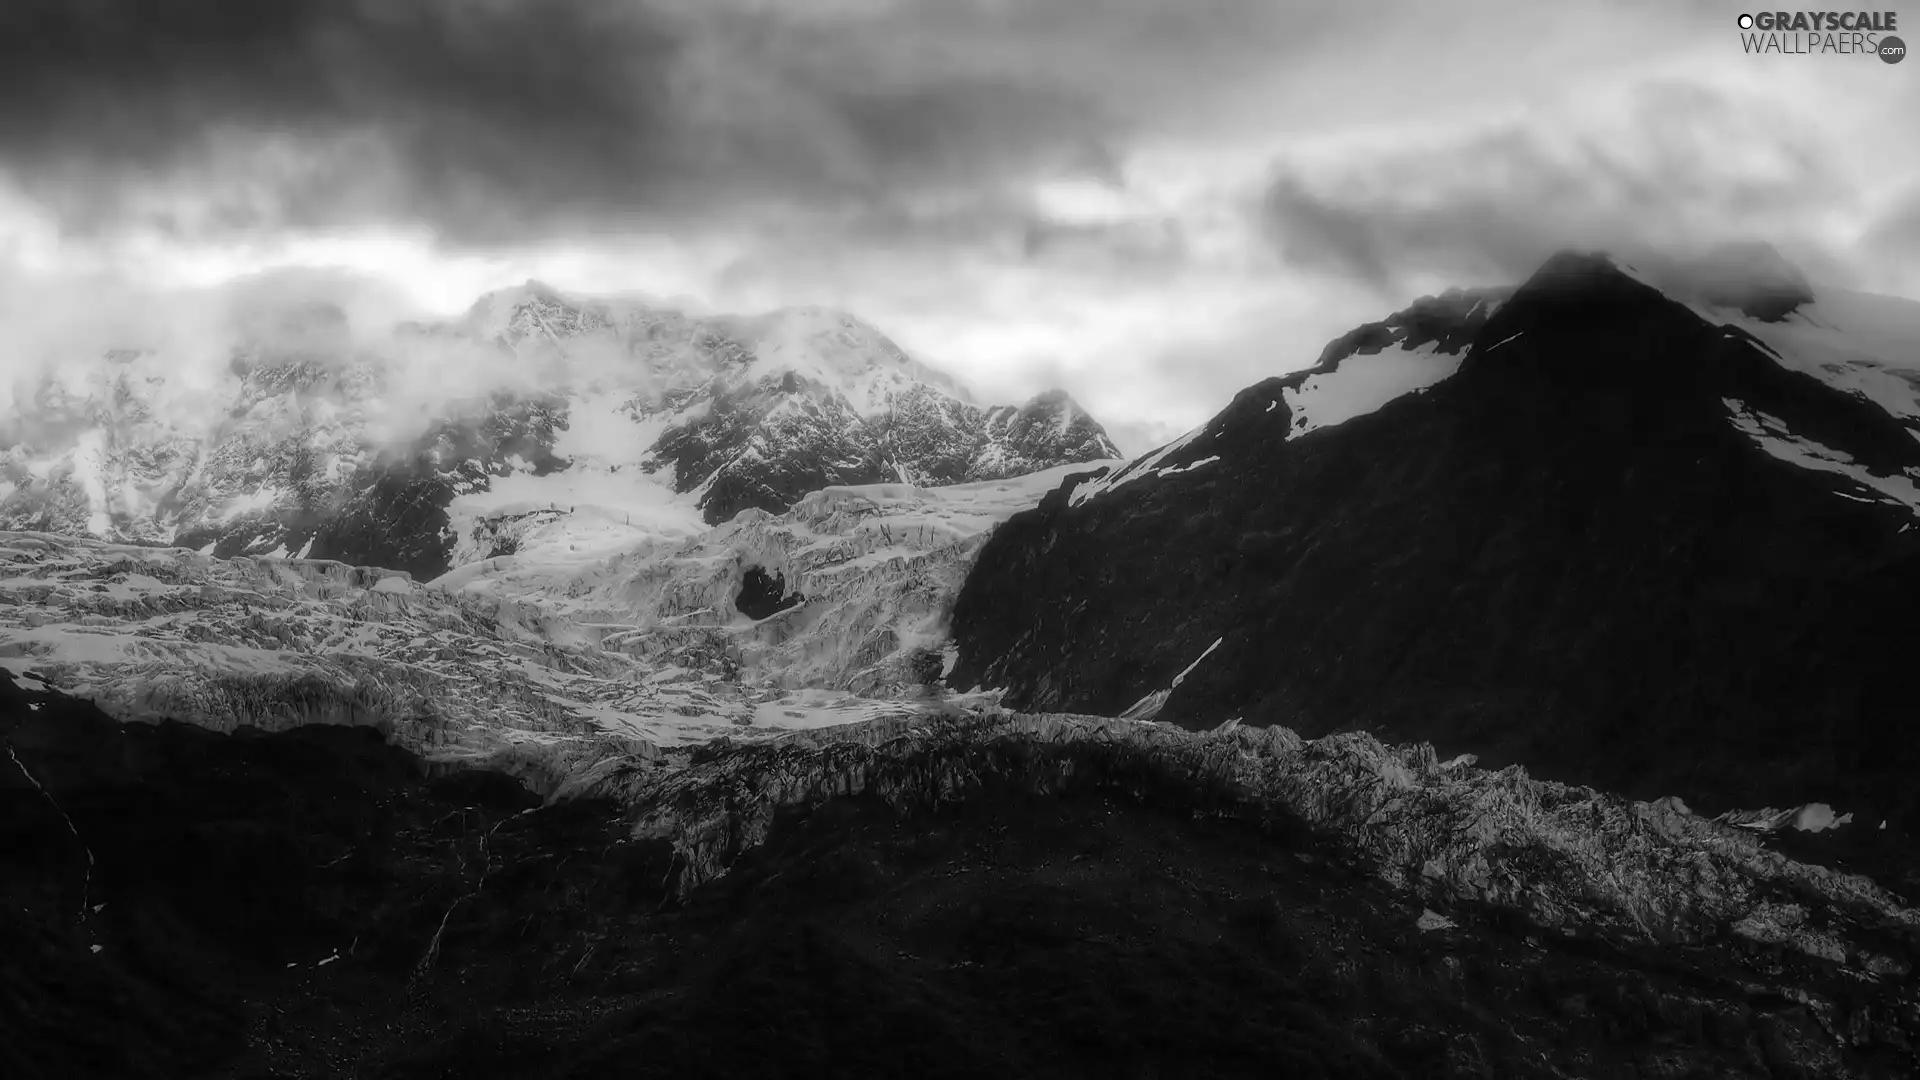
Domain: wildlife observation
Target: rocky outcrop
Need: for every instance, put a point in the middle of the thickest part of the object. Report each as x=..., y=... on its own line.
x=765, y=445
x=1566, y=858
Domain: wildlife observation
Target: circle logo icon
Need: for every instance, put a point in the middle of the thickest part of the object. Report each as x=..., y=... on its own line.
x=1746, y=22
x=1892, y=50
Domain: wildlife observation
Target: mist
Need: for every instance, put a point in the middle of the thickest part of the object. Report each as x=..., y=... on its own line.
x=364, y=349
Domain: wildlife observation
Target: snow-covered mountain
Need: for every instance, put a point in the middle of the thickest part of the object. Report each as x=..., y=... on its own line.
x=1648, y=526
x=1632, y=524
x=406, y=450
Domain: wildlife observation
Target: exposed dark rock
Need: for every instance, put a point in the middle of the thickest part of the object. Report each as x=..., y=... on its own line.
x=1009, y=897
x=763, y=594
x=767, y=444
x=1563, y=555
x=392, y=511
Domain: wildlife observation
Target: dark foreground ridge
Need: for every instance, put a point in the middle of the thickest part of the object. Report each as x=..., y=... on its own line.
x=1002, y=898
x=1565, y=555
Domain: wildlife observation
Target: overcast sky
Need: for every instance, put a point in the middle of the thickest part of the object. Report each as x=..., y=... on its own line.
x=1149, y=202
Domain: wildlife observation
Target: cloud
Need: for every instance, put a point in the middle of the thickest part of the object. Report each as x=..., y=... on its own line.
x=1095, y=193
x=1679, y=165
x=496, y=121
x=1894, y=235
x=71, y=342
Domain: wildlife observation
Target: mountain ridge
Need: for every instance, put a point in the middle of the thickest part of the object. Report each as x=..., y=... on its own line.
x=1571, y=550
x=332, y=447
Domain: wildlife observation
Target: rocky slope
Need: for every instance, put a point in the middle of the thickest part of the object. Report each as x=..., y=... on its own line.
x=986, y=894
x=1599, y=526
x=312, y=437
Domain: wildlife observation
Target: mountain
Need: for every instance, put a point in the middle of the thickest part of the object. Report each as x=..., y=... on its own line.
x=1608, y=524
x=393, y=449
x=625, y=789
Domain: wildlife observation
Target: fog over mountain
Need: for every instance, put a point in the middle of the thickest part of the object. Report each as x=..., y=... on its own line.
x=956, y=538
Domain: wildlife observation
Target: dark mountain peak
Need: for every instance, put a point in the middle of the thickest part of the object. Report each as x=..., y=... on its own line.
x=1614, y=540
x=1573, y=274
x=1448, y=321
x=1752, y=277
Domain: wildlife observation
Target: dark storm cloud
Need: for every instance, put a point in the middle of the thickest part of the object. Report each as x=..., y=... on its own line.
x=1688, y=165
x=495, y=120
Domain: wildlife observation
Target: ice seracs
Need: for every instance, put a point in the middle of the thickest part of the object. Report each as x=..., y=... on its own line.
x=592, y=641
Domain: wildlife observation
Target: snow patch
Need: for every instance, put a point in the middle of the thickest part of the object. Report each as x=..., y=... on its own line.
x=1147, y=465
x=1860, y=343
x=17, y=666
x=1364, y=383
x=1813, y=818
x=255, y=502
x=1770, y=434
x=1189, y=467
x=89, y=467
x=1188, y=670
x=1819, y=817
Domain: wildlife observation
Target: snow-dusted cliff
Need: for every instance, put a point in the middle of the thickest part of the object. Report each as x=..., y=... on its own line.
x=407, y=448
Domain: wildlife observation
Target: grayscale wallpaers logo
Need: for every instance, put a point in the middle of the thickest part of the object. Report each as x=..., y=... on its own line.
x=1810, y=33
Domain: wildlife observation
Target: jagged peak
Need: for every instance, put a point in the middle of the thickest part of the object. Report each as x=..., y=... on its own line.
x=1583, y=268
